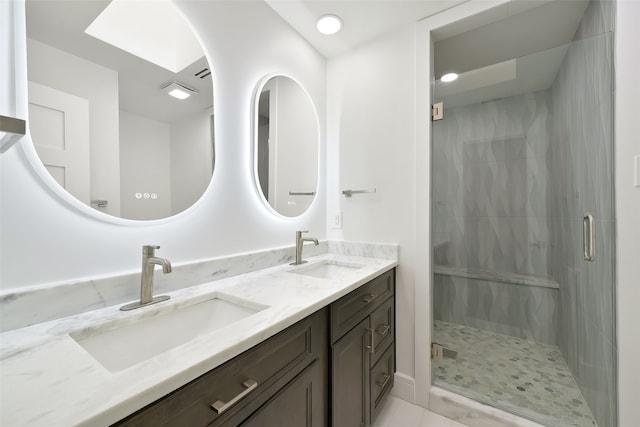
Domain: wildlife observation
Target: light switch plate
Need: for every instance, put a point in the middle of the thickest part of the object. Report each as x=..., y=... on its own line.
x=336, y=222
x=636, y=172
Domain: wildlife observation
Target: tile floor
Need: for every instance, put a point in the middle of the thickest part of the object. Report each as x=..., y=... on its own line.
x=522, y=377
x=398, y=413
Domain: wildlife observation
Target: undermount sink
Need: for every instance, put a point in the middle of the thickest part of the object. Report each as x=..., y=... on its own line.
x=127, y=345
x=327, y=269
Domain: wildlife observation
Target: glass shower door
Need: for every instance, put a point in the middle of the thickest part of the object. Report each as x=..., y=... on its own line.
x=523, y=320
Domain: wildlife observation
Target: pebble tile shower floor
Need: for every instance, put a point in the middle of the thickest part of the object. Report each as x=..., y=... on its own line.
x=523, y=377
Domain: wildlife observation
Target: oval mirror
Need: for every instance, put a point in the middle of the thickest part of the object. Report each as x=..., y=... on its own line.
x=286, y=146
x=120, y=104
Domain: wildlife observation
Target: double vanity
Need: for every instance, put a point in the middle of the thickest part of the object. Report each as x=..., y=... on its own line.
x=242, y=340
x=312, y=343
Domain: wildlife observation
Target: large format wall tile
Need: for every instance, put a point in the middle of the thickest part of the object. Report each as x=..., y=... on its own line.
x=510, y=244
x=512, y=180
x=522, y=311
x=490, y=185
x=595, y=371
x=581, y=157
x=599, y=18
x=581, y=170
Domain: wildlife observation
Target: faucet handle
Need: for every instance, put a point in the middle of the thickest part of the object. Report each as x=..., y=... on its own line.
x=148, y=250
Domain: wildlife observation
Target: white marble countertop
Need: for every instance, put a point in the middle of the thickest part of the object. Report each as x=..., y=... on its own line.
x=48, y=379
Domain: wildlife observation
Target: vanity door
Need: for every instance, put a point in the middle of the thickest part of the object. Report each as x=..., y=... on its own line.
x=301, y=403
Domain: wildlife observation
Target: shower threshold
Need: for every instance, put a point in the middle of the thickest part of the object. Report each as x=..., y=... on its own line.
x=526, y=378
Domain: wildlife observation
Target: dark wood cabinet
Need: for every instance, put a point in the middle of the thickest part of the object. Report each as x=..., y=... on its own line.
x=334, y=367
x=349, y=310
x=362, y=352
x=301, y=403
x=381, y=381
x=296, y=357
x=348, y=378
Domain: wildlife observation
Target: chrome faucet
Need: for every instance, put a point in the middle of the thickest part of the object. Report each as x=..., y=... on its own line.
x=149, y=261
x=299, y=242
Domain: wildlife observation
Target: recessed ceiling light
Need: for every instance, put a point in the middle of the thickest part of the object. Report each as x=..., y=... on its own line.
x=178, y=90
x=449, y=77
x=329, y=24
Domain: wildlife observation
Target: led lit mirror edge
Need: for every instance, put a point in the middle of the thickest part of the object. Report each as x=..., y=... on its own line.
x=27, y=145
x=48, y=182
x=255, y=106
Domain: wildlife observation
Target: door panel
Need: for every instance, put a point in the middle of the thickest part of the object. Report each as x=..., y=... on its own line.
x=349, y=378
x=59, y=127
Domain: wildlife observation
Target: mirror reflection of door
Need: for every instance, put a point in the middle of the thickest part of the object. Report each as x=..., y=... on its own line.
x=263, y=142
x=286, y=146
x=148, y=153
x=60, y=128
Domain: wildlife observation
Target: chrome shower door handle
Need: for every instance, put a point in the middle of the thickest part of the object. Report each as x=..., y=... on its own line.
x=588, y=237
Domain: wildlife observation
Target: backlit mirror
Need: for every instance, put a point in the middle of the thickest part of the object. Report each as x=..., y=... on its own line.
x=286, y=146
x=120, y=104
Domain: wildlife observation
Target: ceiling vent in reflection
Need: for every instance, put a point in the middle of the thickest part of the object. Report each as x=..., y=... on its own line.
x=203, y=73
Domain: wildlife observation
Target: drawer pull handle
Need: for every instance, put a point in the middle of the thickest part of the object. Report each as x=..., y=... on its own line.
x=384, y=383
x=383, y=329
x=373, y=348
x=369, y=298
x=220, y=406
x=370, y=348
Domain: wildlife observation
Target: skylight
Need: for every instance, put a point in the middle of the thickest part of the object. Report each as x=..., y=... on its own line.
x=152, y=30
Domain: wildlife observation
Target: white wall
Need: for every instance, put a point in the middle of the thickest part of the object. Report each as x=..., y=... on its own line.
x=71, y=74
x=371, y=137
x=145, y=167
x=366, y=86
x=191, y=159
x=627, y=145
x=50, y=237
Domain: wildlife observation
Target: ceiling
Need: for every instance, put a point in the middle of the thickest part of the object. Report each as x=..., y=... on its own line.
x=518, y=54
x=61, y=24
x=550, y=24
x=517, y=49
x=530, y=26
x=364, y=20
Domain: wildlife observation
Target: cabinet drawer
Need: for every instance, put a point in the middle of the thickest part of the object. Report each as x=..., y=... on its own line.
x=349, y=310
x=301, y=403
x=382, y=329
x=381, y=381
x=271, y=364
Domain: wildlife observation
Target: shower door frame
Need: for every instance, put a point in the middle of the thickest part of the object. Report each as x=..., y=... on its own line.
x=465, y=17
x=627, y=203
x=428, y=30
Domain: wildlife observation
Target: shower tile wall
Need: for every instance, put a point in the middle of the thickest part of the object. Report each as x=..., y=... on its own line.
x=521, y=311
x=490, y=198
x=512, y=180
x=581, y=168
x=490, y=186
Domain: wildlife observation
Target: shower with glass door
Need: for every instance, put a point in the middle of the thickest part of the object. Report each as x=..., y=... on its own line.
x=523, y=215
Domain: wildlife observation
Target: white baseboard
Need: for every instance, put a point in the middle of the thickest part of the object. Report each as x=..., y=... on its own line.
x=404, y=387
